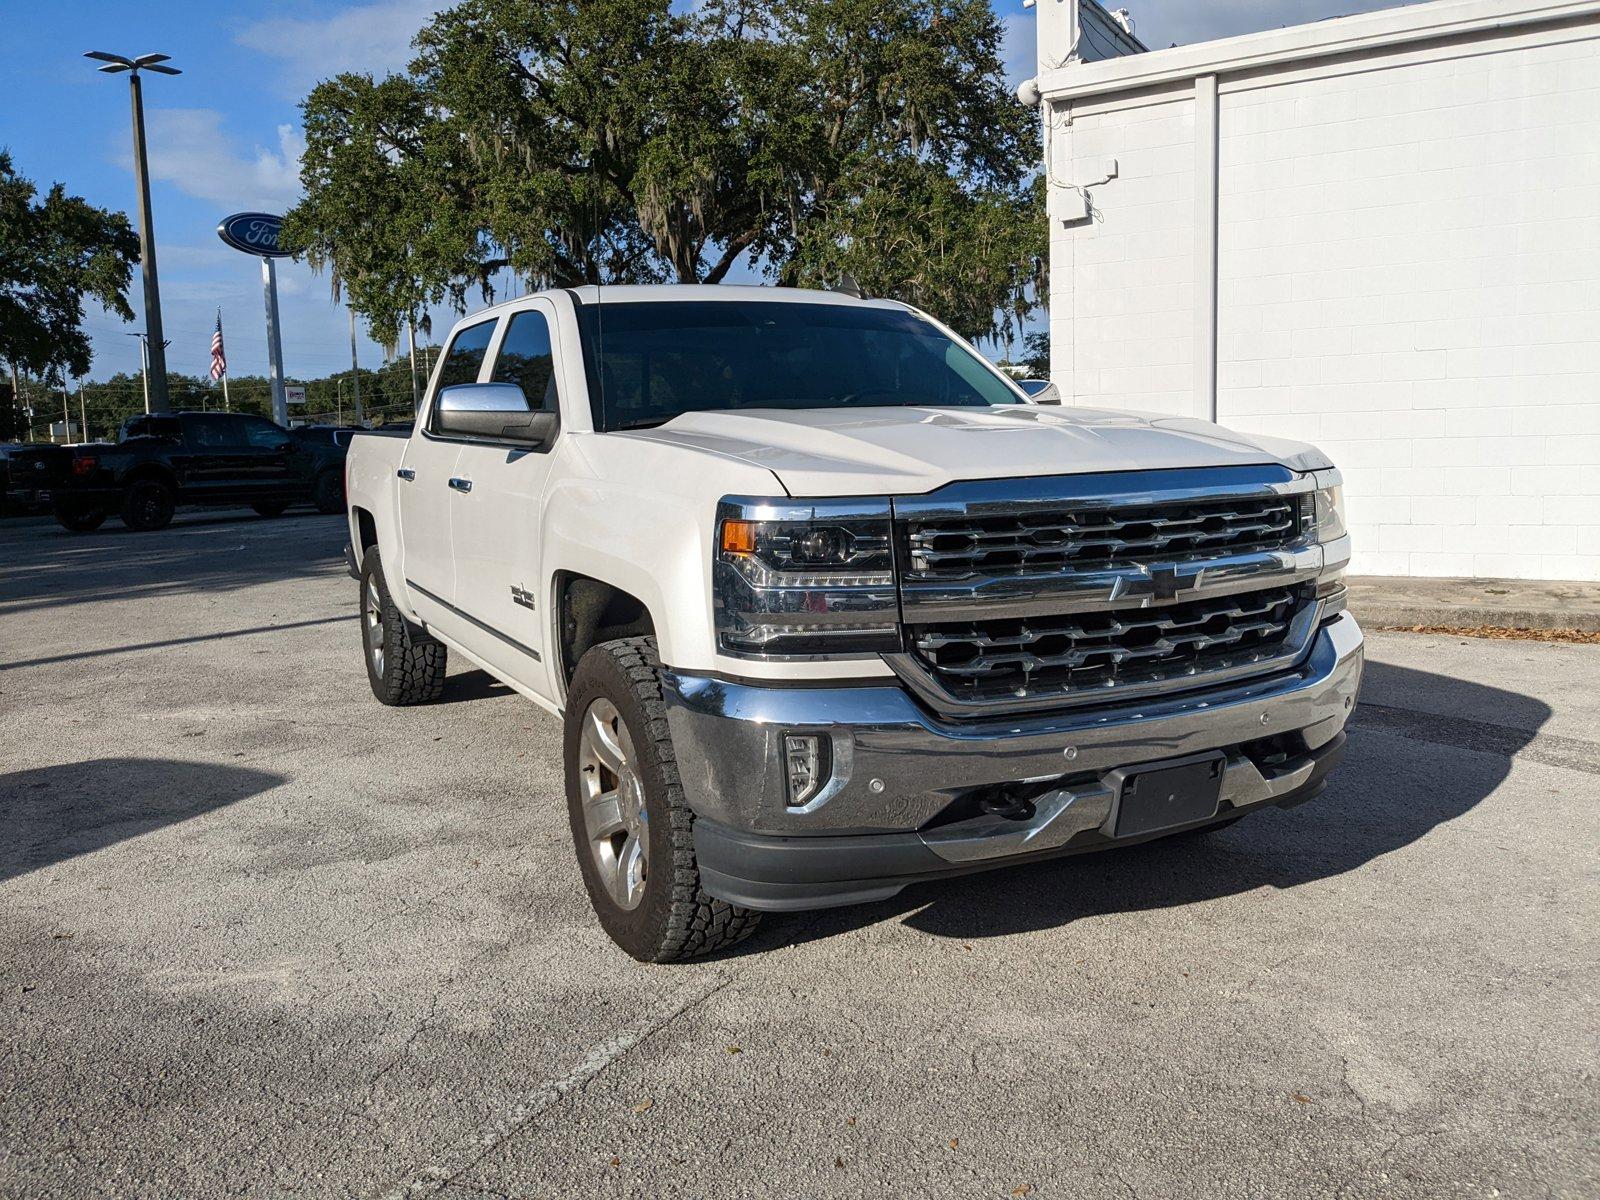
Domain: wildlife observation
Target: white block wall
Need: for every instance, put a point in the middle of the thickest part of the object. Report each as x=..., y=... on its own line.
x=1408, y=249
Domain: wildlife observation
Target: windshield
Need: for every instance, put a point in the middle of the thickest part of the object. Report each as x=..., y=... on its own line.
x=649, y=362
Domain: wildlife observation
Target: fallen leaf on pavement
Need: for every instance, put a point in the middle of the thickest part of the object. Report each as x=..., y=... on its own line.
x=643, y=1106
x=955, y=1143
x=1302, y=1099
x=734, y=1050
x=838, y=1162
x=1022, y=1189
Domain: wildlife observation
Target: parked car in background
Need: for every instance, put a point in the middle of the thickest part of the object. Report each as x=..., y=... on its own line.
x=160, y=461
x=829, y=608
x=326, y=435
x=1040, y=391
x=28, y=471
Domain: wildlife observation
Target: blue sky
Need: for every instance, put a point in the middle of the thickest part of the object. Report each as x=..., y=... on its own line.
x=225, y=136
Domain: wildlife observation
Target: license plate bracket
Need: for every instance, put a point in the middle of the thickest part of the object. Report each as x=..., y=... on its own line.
x=1167, y=795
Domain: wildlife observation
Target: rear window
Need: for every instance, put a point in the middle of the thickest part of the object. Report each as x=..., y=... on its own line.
x=148, y=426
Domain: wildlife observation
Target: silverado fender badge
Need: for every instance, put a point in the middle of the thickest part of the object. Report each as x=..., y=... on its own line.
x=522, y=596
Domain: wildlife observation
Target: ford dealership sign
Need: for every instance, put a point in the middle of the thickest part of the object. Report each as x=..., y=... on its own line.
x=254, y=233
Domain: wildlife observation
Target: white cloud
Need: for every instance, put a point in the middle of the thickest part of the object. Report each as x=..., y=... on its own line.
x=190, y=150
x=369, y=38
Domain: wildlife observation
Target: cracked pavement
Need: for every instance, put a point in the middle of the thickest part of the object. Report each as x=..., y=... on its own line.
x=260, y=936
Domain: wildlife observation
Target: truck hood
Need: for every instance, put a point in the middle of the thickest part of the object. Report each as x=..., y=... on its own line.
x=908, y=451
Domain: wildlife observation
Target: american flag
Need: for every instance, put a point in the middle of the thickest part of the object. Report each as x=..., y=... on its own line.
x=219, y=360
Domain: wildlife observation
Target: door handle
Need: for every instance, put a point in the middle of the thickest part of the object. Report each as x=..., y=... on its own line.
x=461, y=485
x=406, y=473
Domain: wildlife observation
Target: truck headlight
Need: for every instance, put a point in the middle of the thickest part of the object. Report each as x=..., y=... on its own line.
x=1328, y=520
x=1322, y=509
x=804, y=580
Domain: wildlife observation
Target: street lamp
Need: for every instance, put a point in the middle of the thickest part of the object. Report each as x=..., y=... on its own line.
x=157, y=371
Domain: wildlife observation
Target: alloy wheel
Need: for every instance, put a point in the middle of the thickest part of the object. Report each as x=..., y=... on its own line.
x=615, y=819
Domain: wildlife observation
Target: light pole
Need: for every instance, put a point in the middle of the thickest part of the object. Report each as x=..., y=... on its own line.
x=115, y=64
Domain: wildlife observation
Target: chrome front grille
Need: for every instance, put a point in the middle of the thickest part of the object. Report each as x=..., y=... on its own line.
x=1024, y=593
x=1045, y=658
x=946, y=548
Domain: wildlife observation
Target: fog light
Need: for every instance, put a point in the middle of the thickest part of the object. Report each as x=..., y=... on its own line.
x=806, y=760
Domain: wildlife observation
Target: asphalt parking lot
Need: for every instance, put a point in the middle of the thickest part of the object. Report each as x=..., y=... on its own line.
x=260, y=936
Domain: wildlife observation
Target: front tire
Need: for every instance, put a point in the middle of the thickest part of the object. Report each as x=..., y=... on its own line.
x=148, y=505
x=632, y=827
x=404, y=664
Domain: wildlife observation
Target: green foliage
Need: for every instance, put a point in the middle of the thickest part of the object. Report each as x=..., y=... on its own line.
x=1037, y=355
x=53, y=253
x=588, y=141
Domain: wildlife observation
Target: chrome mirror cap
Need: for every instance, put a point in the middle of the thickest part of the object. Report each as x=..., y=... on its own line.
x=482, y=397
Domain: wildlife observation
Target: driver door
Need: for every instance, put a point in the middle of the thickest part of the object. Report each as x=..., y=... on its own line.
x=496, y=523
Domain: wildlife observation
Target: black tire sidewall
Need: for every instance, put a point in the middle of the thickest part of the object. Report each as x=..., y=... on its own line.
x=80, y=520
x=640, y=931
x=328, y=493
x=140, y=494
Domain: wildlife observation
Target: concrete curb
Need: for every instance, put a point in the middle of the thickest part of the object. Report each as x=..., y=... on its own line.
x=1501, y=603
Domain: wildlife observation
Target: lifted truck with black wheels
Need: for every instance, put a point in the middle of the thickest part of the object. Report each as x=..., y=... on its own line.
x=828, y=606
x=161, y=462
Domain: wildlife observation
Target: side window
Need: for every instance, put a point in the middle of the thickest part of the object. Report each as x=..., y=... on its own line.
x=263, y=433
x=462, y=361
x=213, y=432
x=525, y=359
x=465, y=355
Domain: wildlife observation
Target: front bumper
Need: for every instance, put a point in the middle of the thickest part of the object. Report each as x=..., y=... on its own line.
x=898, y=773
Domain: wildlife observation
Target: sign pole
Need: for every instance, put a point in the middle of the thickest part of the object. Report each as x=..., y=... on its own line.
x=355, y=371
x=269, y=285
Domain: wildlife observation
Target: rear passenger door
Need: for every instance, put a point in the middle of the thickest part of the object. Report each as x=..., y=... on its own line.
x=215, y=463
x=426, y=497
x=496, y=525
x=269, y=455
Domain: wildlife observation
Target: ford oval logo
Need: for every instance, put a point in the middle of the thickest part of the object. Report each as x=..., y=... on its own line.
x=254, y=233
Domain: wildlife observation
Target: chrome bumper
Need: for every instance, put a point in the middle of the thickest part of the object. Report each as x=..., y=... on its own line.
x=895, y=766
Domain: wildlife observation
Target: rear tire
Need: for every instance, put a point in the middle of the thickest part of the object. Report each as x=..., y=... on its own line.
x=633, y=829
x=270, y=508
x=80, y=520
x=148, y=505
x=404, y=664
x=329, y=493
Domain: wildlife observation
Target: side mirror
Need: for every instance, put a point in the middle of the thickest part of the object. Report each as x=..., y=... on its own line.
x=1041, y=391
x=492, y=410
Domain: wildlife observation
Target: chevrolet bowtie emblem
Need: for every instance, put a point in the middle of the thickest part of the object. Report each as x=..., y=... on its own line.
x=1167, y=584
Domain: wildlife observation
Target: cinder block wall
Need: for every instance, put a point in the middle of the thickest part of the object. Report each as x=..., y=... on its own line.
x=1408, y=275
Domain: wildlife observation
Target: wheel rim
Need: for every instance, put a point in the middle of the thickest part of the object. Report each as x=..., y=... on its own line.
x=372, y=626
x=615, y=819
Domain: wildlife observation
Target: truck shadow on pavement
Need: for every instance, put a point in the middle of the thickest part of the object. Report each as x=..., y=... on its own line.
x=51, y=814
x=46, y=567
x=1424, y=749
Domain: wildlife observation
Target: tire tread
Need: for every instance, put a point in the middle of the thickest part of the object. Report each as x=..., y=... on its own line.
x=697, y=923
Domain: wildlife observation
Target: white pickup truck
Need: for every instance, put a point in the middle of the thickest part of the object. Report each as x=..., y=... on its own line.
x=828, y=607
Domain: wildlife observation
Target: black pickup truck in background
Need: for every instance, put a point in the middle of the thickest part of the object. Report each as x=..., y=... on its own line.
x=161, y=461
